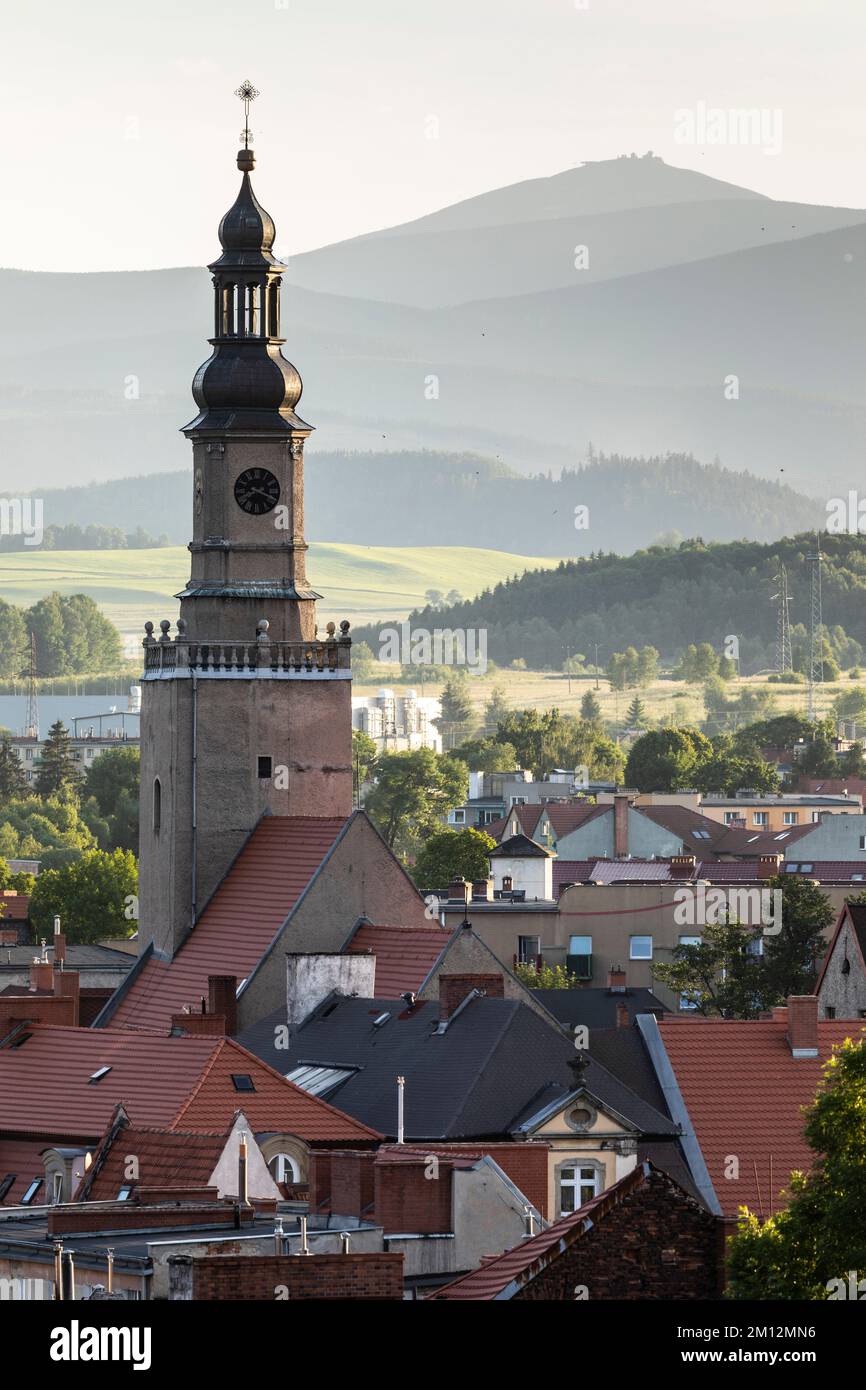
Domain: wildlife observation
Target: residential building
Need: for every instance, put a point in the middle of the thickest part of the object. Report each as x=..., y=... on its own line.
x=841, y=986
x=749, y=811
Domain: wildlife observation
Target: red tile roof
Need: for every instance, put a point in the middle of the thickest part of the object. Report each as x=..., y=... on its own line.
x=521, y=1263
x=239, y=922
x=404, y=955
x=175, y=1083
x=166, y=1158
x=745, y=1093
x=23, y=1157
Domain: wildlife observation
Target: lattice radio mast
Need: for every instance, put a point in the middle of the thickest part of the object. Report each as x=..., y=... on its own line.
x=816, y=642
x=784, y=662
x=31, y=724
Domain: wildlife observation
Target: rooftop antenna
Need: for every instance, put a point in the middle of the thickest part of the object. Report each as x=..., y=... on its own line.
x=247, y=93
x=816, y=658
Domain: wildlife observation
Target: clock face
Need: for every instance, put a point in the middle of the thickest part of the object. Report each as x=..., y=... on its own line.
x=257, y=491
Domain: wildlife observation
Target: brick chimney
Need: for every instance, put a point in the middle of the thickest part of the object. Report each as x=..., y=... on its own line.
x=59, y=942
x=622, y=1018
x=459, y=890
x=768, y=865
x=222, y=999
x=616, y=980
x=482, y=890
x=8, y=936
x=620, y=825
x=453, y=989
x=803, y=1025
x=42, y=975
x=67, y=985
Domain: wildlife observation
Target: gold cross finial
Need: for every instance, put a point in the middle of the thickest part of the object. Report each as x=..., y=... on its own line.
x=247, y=93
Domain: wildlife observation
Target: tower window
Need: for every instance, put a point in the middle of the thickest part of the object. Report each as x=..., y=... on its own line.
x=157, y=805
x=265, y=769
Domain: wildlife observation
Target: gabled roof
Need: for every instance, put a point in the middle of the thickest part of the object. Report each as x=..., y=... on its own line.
x=855, y=913
x=596, y=1007
x=564, y=818
x=404, y=955
x=23, y=1159
x=505, y=1275
x=745, y=1092
x=519, y=847
x=46, y=1086
x=704, y=836
x=237, y=925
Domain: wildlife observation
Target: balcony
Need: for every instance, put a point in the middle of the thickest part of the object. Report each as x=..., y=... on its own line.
x=167, y=658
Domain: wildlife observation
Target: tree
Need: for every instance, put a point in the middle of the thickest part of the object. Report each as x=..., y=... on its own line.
x=718, y=974
x=486, y=755
x=807, y=1250
x=72, y=635
x=47, y=828
x=451, y=854
x=110, y=796
x=635, y=715
x=12, y=779
x=457, y=710
x=697, y=664
x=791, y=956
x=412, y=794
x=590, y=709
x=91, y=896
x=13, y=640
x=667, y=760
x=725, y=773
x=56, y=768
x=496, y=709
x=647, y=666
x=363, y=662
x=546, y=976
x=365, y=755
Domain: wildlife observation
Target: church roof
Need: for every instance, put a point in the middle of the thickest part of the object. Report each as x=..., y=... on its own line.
x=237, y=925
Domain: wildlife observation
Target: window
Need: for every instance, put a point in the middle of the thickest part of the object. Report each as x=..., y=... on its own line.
x=528, y=948
x=760, y=818
x=640, y=948
x=123, y=1194
x=285, y=1168
x=577, y=1185
x=98, y=1075
x=731, y=816
x=265, y=768
x=790, y=817
x=700, y=834
x=829, y=1012
x=6, y=1183
x=488, y=817
x=459, y=817
x=755, y=947
x=31, y=1192
x=518, y=801
x=57, y=1188
x=243, y=1083
x=157, y=805
x=863, y=841
x=579, y=959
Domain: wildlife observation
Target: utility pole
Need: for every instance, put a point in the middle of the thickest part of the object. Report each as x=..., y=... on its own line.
x=31, y=723
x=596, y=645
x=784, y=662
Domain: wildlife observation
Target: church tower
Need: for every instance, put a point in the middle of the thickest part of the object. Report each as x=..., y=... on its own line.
x=246, y=709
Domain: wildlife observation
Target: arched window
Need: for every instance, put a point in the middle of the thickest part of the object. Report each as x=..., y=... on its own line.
x=577, y=1182
x=285, y=1168
x=157, y=805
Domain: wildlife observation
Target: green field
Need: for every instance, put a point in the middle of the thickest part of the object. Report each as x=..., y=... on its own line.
x=361, y=583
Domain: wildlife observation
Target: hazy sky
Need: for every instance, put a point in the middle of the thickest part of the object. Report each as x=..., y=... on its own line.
x=121, y=127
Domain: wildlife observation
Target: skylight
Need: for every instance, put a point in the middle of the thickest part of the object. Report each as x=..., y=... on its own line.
x=98, y=1075
x=319, y=1080
x=243, y=1082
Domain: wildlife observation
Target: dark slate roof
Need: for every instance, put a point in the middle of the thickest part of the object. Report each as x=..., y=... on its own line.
x=520, y=847
x=78, y=957
x=493, y=1066
x=597, y=1007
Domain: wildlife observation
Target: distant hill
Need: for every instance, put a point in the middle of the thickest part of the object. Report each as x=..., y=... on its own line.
x=470, y=330
x=470, y=500
x=664, y=597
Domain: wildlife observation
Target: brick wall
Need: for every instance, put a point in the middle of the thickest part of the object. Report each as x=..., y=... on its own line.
x=320, y=1180
x=453, y=989
x=242, y=1278
x=351, y=1181
x=38, y=1008
x=654, y=1243
x=407, y=1201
